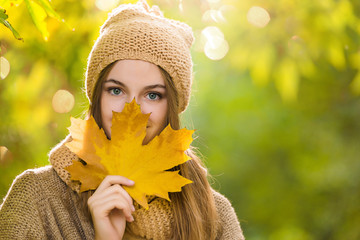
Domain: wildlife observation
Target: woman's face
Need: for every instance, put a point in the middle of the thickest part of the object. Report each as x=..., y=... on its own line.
x=129, y=79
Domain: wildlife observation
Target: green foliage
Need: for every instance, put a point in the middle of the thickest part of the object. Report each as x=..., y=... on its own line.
x=300, y=41
x=3, y=20
x=277, y=117
x=38, y=10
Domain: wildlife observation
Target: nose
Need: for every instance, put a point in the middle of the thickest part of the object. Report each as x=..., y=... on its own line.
x=138, y=101
x=130, y=98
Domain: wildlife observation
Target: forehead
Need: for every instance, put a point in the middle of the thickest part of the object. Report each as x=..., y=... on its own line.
x=136, y=71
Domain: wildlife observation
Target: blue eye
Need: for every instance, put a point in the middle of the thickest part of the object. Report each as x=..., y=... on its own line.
x=153, y=96
x=115, y=91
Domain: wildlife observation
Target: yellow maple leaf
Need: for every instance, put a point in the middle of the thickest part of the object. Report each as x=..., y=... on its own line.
x=125, y=155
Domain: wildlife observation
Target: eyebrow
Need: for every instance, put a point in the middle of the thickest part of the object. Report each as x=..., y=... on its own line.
x=114, y=81
x=146, y=88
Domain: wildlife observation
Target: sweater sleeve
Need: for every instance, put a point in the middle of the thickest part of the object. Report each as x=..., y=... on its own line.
x=19, y=215
x=230, y=225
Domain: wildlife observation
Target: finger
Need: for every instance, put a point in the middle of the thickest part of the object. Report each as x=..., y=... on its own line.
x=103, y=208
x=114, y=179
x=113, y=190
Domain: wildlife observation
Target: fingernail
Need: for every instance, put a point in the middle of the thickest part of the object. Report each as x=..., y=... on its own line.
x=133, y=208
x=131, y=219
x=131, y=182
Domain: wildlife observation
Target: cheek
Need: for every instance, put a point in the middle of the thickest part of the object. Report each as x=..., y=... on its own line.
x=105, y=110
x=159, y=115
x=107, y=106
x=110, y=104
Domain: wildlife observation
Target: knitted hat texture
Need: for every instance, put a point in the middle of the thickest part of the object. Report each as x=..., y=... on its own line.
x=138, y=32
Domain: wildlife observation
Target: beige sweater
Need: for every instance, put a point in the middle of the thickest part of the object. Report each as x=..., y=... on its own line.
x=41, y=205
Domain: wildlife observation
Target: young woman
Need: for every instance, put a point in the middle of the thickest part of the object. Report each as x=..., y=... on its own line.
x=139, y=54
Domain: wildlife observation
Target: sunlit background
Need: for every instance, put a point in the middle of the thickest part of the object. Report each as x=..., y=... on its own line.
x=275, y=103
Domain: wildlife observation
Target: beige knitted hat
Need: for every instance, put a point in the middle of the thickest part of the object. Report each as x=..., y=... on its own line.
x=136, y=31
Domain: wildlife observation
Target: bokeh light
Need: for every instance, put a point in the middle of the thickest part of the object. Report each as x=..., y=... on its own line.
x=4, y=67
x=181, y=6
x=200, y=41
x=63, y=101
x=216, y=53
x=106, y=5
x=213, y=1
x=258, y=16
x=216, y=47
x=5, y=155
x=213, y=15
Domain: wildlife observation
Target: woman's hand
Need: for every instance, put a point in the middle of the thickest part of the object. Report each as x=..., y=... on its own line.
x=111, y=206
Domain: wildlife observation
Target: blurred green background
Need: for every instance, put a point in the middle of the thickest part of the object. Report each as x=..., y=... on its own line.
x=275, y=103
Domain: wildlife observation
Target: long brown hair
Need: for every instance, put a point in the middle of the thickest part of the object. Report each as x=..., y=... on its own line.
x=194, y=210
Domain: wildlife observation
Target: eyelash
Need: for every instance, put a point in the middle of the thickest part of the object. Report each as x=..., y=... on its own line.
x=159, y=96
x=110, y=89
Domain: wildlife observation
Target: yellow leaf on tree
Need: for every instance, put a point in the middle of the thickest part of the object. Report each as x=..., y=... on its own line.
x=125, y=154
